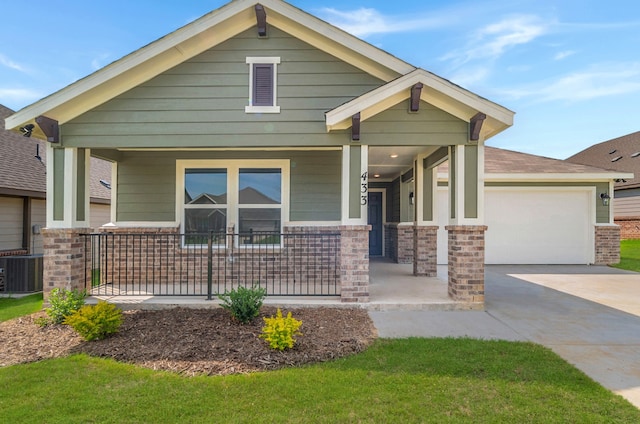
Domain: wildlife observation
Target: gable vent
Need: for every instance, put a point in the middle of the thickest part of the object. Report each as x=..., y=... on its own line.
x=263, y=84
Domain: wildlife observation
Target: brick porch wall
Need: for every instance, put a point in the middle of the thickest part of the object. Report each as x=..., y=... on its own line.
x=399, y=242
x=607, y=244
x=466, y=262
x=629, y=226
x=64, y=261
x=425, y=246
x=155, y=256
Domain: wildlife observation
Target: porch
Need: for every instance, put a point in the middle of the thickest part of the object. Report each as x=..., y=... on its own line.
x=392, y=287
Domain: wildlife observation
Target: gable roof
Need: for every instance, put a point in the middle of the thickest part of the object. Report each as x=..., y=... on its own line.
x=228, y=21
x=502, y=164
x=616, y=154
x=437, y=91
x=22, y=174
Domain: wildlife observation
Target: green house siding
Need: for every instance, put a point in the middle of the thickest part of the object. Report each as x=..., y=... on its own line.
x=147, y=187
x=429, y=126
x=203, y=100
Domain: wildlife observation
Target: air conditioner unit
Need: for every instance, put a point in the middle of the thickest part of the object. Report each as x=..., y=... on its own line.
x=22, y=273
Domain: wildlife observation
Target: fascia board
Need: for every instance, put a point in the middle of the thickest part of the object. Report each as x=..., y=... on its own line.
x=186, y=42
x=437, y=91
x=604, y=176
x=176, y=42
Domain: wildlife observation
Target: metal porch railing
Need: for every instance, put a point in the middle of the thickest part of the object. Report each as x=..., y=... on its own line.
x=207, y=264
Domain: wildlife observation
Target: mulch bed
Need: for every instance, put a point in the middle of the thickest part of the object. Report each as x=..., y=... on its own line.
x=195, y=341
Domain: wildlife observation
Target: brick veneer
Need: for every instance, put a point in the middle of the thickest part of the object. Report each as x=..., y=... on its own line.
x=607, y=244
x=354, y=263
x=466, y=262
x=425, y=249
x=399, y=242
x=63, y=262
x=629, y=226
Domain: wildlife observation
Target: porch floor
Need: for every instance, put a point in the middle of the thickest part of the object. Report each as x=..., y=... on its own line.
x=392, y=286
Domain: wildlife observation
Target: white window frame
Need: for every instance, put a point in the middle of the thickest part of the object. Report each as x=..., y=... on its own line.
x=263, y=109
x=233, y=188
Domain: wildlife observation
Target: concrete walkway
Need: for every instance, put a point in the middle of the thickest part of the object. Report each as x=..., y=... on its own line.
x=594, y=324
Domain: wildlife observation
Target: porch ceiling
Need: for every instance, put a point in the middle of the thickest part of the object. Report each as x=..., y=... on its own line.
x=388, y=168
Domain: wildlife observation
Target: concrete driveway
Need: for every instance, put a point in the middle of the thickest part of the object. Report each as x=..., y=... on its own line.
x=589, y=315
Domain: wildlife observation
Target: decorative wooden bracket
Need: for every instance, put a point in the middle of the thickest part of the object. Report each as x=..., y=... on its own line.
x=355, y=127
x=50, y=128
x=261, y=17
x=475, y=125
x=415, y=97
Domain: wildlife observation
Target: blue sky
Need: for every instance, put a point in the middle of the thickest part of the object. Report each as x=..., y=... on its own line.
x=570, y=69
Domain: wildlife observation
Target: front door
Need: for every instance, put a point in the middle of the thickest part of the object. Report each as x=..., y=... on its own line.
x=375, y=220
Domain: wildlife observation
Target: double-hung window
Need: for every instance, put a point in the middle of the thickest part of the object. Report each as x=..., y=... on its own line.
x=263, y=77
x=249, y=195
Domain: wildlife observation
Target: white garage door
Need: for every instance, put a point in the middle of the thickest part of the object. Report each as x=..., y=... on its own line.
x=533, y=226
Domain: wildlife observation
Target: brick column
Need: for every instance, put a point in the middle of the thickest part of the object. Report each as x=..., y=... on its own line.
x=466, y=262
x=425, y=251
x=354, y=263
x=607, y=244
x=405, y=243
x=64, y=259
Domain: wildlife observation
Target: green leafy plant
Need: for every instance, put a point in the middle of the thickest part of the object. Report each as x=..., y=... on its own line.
x=243, y=303
x=95, y=322
x=64, y=303
x=281, y=331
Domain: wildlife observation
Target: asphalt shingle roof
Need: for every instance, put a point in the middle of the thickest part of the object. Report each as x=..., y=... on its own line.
x=21, y=171
x=616, y=154
x=502, y=161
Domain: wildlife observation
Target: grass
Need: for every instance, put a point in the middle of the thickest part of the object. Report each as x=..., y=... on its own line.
x=11, y=307
x=629, y=255
x=407, y=380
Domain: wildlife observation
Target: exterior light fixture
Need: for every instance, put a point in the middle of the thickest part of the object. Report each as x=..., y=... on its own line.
x=376, y=175
x=27, y=130
x=605, y=199
x=394, y=155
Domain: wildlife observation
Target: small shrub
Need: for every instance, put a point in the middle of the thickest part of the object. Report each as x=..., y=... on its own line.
x=95, y=322
x=41, y=321
x=243, y=303
x=281, y=332
x=64, y=303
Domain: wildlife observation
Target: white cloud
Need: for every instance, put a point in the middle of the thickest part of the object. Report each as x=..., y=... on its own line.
x=493, y=40
x=367, y=21
x=470, y=75
x=18, y=97
x=564, y=54
x=5, y=61
x=600, y=81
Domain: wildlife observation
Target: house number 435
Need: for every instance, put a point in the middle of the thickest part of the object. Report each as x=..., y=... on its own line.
x=363, y=188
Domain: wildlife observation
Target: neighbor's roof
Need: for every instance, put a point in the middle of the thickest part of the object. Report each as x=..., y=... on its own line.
x=223, y=24
x=620, y=154
x=22, y=174
x=502, y=164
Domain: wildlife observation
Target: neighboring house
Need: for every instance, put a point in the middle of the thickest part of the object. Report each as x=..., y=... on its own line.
x=23, y=192
x=619, y=154
x=318, y=123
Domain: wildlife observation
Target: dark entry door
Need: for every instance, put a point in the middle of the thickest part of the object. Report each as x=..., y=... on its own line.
x=375, y=220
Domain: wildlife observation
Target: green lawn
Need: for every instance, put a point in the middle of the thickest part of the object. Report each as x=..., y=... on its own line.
x=629, y=255
x=11, y=307
x=400, y=381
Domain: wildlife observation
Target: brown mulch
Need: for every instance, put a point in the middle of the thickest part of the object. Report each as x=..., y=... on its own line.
x=195, y=341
